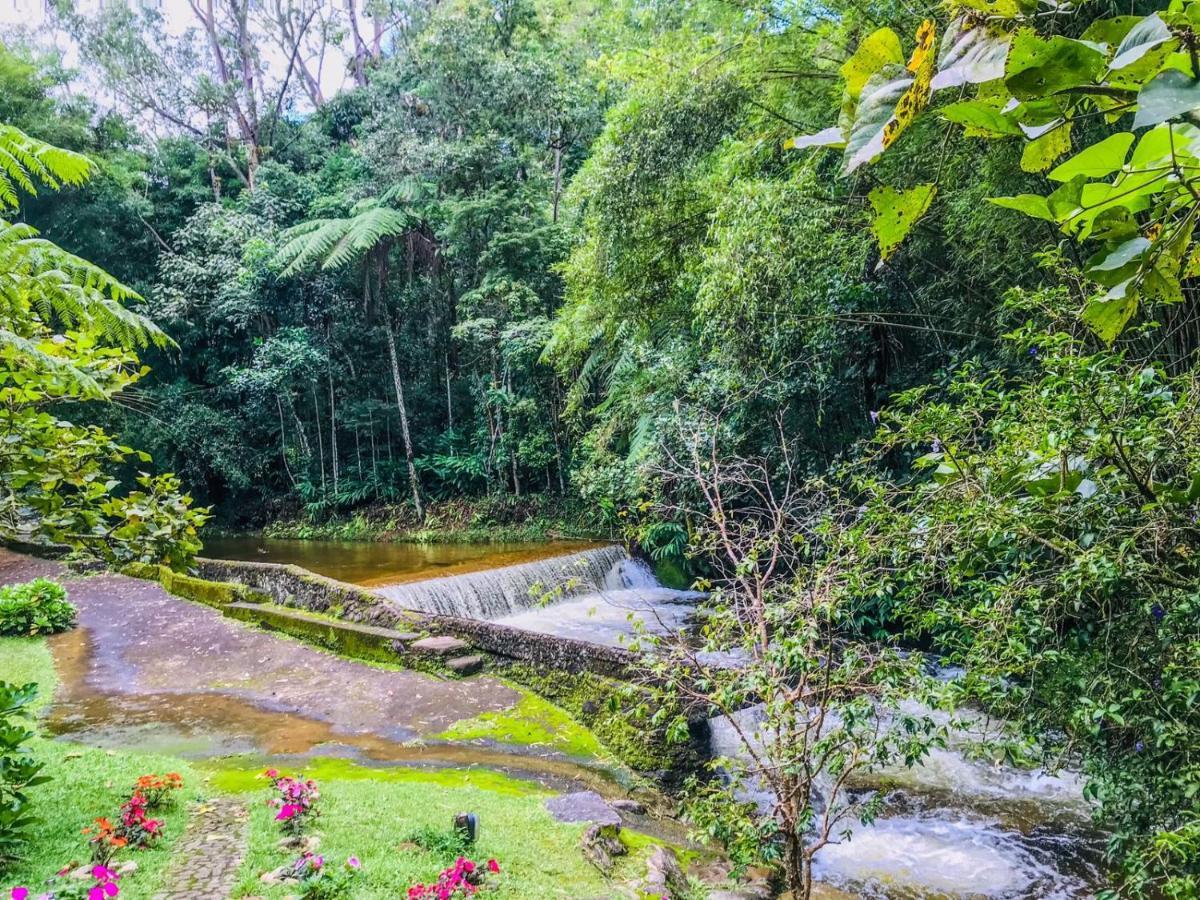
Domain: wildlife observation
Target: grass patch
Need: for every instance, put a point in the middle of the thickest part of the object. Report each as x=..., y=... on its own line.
x=84, y=783
x=244, y=779
x=374, y=817
x=531, y=722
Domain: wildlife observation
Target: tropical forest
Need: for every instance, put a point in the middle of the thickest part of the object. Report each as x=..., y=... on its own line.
x=599, y=449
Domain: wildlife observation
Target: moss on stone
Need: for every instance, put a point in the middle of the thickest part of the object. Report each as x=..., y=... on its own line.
x=242, y=779
x=606, y=707
x=531, y=722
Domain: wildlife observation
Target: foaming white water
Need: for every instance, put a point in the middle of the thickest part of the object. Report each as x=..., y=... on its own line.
x=598, y=595
x=630, y=601
x=492, y=593
x=942, y=856
x=946, y=848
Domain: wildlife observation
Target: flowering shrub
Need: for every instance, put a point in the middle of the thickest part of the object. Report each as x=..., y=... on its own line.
x=135, y=826
x=138, y=828
x=106, y=839
x=317, y=881
x=462, y=879
x=101, y=886
x=297, y=801
x=157, y=789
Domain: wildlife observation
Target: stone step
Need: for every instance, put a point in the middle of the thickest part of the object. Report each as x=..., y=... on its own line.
x=350, y=638
x=465, y=665
x=440, y=645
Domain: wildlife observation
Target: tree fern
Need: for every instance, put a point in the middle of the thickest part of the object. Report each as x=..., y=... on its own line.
x=333, y=243
x=43, y=288
x=26, y=162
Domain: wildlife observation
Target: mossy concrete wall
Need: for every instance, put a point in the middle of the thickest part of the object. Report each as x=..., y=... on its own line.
x=297, y=587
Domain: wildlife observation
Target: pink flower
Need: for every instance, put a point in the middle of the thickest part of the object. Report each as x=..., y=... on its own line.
x=287, y=811
x=353, y=862
x=111, y=889
x=493, y=867
x=19, y=893
x=96, y=893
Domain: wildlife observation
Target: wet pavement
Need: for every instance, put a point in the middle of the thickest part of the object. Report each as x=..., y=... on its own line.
x=147, y=669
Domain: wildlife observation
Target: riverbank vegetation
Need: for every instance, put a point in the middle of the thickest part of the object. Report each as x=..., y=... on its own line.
x=927, y=275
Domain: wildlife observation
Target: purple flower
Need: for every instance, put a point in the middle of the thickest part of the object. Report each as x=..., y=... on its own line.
x=874, y=414
x=1158, y=612
x=1033, y=351
x=937, y=446
x=353, y=862
x=1139, y=746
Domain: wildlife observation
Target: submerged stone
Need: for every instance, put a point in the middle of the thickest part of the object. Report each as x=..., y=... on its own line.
x=583, y=806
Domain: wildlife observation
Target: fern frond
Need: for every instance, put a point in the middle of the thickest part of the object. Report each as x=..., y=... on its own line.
x=26, y=162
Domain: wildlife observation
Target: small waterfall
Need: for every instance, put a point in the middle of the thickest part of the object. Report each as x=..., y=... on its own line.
x=494, y=593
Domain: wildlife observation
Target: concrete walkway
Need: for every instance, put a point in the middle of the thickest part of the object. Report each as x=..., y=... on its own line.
x=138, y=646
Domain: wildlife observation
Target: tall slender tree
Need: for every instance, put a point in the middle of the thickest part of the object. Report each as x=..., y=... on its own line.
x=366, y=237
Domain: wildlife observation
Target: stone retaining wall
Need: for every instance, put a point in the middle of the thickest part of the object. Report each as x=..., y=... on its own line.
x=297, y=587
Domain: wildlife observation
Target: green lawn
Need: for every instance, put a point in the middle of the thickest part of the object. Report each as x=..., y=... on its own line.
x=370, y=813
x=85, y=783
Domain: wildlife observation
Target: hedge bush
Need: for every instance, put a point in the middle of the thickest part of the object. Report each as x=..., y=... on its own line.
x=35, y=607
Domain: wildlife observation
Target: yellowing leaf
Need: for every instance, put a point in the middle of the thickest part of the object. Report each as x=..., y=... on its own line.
x=1040, y=153
x=916, y=98
x=879, y=49
x=896, y=212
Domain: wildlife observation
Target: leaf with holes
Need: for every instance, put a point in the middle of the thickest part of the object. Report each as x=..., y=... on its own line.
x=1143, y=37
x=1041, y=67
x=1040, y=153
x=896, y=212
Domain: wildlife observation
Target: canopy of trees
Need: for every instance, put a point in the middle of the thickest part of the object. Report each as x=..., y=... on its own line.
x=943, y=259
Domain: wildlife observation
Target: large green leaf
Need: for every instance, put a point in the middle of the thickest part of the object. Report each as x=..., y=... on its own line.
x=1108, y=314
x=1040, y=67
x=980, y=119
x=970, y=54
x=1147, y=34
x=1031, y=204
x=1121, y=256
x=876, y=106
x=896, y=212
x=1097, y=161
x=1170, y=94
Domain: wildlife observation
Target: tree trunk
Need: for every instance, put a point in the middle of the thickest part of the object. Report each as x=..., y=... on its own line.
x=449, y=398
x=333, y=448
x=320, y=436
x=283, y=442
x=404, y=432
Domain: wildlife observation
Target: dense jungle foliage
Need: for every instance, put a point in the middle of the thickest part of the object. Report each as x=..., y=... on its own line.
x=538, y=240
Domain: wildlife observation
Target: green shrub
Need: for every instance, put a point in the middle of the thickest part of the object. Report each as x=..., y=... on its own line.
x=18, y=772
x=36, y=607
